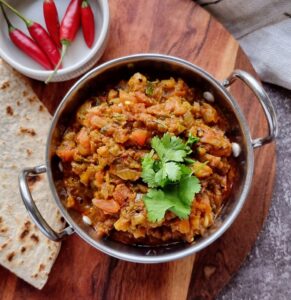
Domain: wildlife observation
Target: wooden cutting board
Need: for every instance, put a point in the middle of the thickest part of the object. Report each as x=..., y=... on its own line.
x=183, y=29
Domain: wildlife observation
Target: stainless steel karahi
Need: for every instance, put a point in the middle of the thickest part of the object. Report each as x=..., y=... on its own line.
x=158, y=65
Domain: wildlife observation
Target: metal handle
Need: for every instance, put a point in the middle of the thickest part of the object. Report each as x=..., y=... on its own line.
x=32, y=209
x=264, y=100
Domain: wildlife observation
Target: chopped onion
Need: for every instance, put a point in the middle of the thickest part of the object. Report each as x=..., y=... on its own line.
x=87, y=220
x=208, y=97
x=138, y=197
x=236, y=149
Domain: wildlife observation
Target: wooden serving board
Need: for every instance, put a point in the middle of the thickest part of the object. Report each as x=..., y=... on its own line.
x=180, y=28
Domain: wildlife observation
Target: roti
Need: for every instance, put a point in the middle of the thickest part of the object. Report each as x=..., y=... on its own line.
x=24, y=125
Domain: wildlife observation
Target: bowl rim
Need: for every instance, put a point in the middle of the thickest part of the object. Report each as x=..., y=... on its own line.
x=229, y=219
x=99, y=44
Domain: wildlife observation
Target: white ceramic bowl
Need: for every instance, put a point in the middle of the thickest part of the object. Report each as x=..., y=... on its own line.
x=79, y=57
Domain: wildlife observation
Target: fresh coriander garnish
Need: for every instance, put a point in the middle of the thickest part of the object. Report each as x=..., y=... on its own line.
x=165, y=170
x=177, y=198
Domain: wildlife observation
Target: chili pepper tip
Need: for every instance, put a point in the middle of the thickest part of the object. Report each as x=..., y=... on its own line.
x=88, y=23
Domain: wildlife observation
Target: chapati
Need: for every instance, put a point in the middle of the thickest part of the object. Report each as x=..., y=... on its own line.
x=24, y=125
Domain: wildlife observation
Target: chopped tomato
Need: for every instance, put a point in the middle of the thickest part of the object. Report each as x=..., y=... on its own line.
x=66, y=154
x=139, y=136
x=121, y=193
x=99, y=176
x=84, y=142
x=108, y=206
x=97, y=122
x=183, y=226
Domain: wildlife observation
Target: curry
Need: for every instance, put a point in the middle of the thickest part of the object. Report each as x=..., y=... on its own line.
x=103, y=149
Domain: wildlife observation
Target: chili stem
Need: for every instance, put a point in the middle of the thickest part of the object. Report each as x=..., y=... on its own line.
x=64, y=50
x=6, y=18
x=26, y=21
x=84, y=4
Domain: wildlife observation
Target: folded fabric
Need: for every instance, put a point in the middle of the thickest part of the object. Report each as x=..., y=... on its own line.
x=263, y=28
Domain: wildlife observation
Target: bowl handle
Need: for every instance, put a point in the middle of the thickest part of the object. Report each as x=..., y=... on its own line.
x=264, y=100
x=33, y=210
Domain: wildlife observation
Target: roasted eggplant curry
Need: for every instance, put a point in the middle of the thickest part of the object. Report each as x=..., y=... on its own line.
x=147, y=162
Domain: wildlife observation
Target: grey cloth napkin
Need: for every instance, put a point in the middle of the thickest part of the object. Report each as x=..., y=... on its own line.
x=263, y=29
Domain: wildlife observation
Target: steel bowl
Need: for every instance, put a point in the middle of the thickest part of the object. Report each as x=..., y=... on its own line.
x=159, y=66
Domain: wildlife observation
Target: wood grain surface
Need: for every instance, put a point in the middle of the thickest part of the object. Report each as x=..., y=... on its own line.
x=180, y=28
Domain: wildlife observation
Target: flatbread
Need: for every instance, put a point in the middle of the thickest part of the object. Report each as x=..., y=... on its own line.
x=24, y=124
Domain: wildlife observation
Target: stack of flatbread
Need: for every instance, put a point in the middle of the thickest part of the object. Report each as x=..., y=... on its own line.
x=24, y=124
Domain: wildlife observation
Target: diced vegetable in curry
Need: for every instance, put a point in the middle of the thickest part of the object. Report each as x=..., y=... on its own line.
x=118, y=178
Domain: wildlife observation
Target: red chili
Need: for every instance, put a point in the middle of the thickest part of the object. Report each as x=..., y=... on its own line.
x=69, y=28
x=88, y=23
x=44, y=41
x=71, y=22
x=40, y=35
x=26, y=44
x=51, y=17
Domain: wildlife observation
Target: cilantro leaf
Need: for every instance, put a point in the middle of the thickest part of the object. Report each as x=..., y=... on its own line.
x=189, y=160
x=175, y=155
x=192, y=140
x=177, y=198
x=188, y=187
x=148, y=173
x=175, y=143
x=170, y=148
x=172, y=185
x=172, y=142
x=158, y=146
x=169, y=167
x=161, y=177
x=156, y=204
x=172, y=171
x=185, y=171
x=183, y=193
